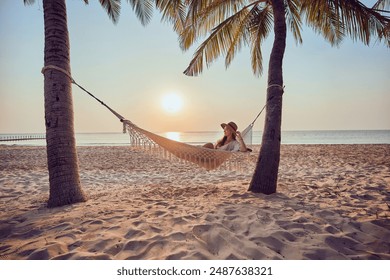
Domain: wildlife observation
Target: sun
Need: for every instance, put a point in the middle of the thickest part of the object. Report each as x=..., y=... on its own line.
x=172, y=103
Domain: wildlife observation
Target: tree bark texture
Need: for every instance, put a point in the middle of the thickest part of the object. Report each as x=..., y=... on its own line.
x=265, y=177
x=62, y=159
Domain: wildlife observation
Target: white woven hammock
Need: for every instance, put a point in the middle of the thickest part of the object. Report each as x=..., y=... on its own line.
x=204, y=157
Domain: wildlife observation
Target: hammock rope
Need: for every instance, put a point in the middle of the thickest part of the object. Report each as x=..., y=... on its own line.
x=204, y=157
x=44, y=69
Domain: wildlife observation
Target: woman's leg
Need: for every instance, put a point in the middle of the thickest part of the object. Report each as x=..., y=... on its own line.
x=208, y=145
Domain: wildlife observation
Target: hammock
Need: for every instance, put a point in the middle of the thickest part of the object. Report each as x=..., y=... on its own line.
x=204, y=157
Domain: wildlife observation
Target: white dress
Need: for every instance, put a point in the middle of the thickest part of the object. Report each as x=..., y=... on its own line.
x=233, y=146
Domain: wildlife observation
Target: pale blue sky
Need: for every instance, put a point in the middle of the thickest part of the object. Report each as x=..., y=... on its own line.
x=132, y=67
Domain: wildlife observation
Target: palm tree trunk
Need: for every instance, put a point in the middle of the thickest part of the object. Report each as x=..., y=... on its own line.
x=62, y=160
x=265, y=177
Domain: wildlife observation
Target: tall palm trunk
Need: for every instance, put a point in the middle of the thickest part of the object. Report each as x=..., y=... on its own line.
x=265, y=177
x=65, y=187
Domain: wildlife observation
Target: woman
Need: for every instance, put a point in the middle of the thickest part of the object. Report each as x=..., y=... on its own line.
x=232, y=140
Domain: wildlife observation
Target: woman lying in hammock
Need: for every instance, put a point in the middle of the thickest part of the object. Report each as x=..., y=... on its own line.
x=232, y=140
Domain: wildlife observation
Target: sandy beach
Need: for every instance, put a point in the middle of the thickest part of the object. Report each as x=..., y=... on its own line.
x=333, y=202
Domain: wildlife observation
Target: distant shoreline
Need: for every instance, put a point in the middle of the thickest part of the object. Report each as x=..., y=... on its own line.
x=288, y=137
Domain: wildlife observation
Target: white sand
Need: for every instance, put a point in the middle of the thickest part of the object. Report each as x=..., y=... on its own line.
x=332, y=203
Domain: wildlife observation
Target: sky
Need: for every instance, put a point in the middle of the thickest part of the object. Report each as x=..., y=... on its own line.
x=132, y=68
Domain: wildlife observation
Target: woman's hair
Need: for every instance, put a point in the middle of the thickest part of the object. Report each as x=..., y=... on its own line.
x=222, y=141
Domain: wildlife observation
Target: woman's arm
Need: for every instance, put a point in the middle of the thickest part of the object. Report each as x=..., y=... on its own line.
x=243, y=147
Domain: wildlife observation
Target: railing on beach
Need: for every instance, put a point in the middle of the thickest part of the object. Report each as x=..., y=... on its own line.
x=21, y=137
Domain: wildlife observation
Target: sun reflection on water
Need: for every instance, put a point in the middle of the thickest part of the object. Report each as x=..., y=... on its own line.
x=173, y=135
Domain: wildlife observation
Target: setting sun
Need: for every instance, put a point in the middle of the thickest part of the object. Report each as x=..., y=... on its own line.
x=172, y=103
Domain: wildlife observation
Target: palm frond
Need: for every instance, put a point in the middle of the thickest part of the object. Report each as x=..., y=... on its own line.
x=259, y=29
x=324, y=19
x=238, y=25
x=204, y=15
x=239, y=34
x=143, y=9
x=28, y=2
x=383, y=5
x=294, y=19
x=348, y=17
x=218, y=43
x=173, y=11
x=214, y=10
x=113, y=8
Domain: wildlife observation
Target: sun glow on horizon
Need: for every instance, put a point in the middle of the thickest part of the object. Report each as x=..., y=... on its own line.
x=172, y=103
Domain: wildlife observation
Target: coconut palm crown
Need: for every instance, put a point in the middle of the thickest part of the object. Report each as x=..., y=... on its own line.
x=231, y=24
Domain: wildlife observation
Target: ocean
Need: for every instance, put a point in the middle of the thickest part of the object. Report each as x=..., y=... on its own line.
x=201, y=137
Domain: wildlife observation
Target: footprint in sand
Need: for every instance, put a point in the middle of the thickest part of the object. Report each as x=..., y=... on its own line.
x=199, y=230
x=263, y=217
x=134, y=245
x=133, y=233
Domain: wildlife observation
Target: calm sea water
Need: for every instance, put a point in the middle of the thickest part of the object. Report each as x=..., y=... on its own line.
x=288, y=137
